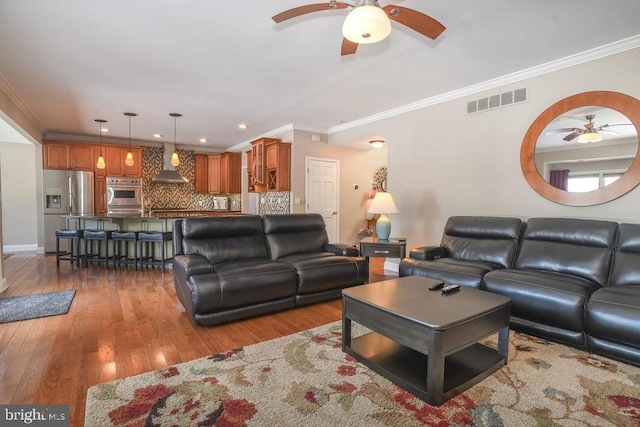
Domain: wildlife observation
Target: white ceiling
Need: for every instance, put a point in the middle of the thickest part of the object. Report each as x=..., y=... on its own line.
x=224, y=63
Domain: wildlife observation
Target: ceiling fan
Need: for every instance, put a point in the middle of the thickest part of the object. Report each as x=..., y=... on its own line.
x=589, y=133
x=368, y=22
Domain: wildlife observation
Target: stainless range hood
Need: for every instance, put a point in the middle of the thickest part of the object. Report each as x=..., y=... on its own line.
x=169, y=175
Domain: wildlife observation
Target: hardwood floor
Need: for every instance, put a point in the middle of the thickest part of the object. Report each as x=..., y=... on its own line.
x=121, y=323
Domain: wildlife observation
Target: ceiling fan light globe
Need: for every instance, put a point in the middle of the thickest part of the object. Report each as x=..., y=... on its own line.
x=591, y=136
x=366, y=24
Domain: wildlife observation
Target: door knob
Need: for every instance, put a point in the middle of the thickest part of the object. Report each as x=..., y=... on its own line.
x=335, y=213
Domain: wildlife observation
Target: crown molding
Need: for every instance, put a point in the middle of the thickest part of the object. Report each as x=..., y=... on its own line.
x=269, y=134
x=538, y=70
x=13, y=96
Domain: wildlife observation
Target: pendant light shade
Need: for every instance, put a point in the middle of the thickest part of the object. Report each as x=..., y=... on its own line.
x=175, y=161
x=591, y=135
x=366, y=23
x=128, y=161
x=100, y=163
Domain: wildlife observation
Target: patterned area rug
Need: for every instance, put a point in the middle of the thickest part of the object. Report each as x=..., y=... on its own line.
x=36, y=305
x=306, y=380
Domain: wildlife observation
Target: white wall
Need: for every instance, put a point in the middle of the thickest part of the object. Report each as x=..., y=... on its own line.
x=19, y=197
x=443, y=162
x=356, y=167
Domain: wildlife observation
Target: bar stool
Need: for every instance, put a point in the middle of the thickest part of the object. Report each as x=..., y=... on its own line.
x=120, y=239
x=73, y=252
x=93, y=238
x=148, y=241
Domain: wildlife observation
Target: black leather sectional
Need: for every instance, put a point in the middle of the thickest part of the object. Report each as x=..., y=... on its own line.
x=233, y=267
x=573, y=281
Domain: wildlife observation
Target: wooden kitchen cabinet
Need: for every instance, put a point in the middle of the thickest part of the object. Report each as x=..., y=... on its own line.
x=250, y=185
x=278, y=166
x=100, y=197
x=114, y=162
x=218, y=173
x=68, y=156
x=213, y=176
x=114, y=157
x=134, y=171
x=55, y=155
x=201, y=173
x=231, y=173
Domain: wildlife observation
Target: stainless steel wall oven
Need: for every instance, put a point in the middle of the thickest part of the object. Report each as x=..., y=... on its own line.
x=124, y=196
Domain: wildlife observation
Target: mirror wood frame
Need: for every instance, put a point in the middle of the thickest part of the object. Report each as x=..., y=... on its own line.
x=625, y=104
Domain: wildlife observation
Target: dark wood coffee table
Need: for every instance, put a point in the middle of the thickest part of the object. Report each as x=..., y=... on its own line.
x=425, y=341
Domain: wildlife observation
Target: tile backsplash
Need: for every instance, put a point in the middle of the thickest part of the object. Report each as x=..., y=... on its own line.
x=177, y=196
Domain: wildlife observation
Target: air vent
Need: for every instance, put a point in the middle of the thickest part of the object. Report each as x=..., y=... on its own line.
x=496, y=101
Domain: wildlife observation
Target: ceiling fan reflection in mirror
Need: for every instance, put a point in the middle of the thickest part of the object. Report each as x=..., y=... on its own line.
x=368, y=22
x=589, y=133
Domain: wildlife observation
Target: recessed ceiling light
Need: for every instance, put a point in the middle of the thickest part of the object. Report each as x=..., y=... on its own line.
x=340, y=121
x=243, y=126
x=157, y=135
x=203, y=140
x=104, y=129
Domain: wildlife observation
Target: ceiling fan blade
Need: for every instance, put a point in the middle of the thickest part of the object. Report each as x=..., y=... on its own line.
x=573, y=135
x=415, y=20
x=348, y=47
x=562, y=130
x=603, y=127
x=309, y=8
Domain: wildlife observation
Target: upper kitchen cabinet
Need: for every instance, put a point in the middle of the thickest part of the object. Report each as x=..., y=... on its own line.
x=114, y=157
x=218, y=173
x=269, y=165
x=231, y=173
x=278, y=166
x=67, y=155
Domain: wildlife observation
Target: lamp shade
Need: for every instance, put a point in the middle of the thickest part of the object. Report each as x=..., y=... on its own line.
x=382, y=203
x=366, y=23
x=590, y=136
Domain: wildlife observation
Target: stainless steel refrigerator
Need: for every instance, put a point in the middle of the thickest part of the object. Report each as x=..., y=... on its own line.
x=65, y=193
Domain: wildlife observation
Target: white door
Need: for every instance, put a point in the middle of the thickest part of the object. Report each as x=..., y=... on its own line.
x=323, y=177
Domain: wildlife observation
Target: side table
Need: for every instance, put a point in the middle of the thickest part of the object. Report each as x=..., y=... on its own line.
x=395, y=247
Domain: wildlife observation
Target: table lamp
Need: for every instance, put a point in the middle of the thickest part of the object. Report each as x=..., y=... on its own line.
x=383, y=204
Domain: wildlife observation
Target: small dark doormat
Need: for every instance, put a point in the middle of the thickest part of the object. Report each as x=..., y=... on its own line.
x=27, y=307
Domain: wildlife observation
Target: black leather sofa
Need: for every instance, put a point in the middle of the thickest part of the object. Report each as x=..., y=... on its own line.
x=572, y=281
x=232, y=267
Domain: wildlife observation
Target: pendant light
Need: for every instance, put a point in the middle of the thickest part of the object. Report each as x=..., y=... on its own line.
x=129, y=160
x=175, y=161
x=100, y=164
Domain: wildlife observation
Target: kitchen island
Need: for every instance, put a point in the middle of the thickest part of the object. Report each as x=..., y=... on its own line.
x=160, y=220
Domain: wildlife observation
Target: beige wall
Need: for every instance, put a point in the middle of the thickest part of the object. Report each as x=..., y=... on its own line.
x=356, y=167
x=443, y=162
x=19, y=197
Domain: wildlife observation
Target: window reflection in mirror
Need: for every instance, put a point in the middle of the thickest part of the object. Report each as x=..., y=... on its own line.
x=567, y=163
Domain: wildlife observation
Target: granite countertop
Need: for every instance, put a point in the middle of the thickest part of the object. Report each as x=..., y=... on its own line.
x=159, y=214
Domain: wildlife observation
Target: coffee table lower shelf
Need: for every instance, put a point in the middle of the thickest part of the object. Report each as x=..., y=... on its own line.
x=408, y=368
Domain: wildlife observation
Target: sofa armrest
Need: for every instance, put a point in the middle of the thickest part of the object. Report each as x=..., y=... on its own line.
x=341, y=249
x=424, y=253
x=185, y=266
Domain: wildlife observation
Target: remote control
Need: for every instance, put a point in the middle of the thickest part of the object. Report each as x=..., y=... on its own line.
x=436, y=286
x=450, y=288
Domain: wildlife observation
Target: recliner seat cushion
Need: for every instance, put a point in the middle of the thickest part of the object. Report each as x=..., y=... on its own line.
x=318, y=272
x=544, y=297
x=613, y=314
x=242, y=283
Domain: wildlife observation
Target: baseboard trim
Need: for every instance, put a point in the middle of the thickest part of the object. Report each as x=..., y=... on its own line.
x=19, y=248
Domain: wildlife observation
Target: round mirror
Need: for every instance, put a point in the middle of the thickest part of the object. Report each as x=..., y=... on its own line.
x=583, y=150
